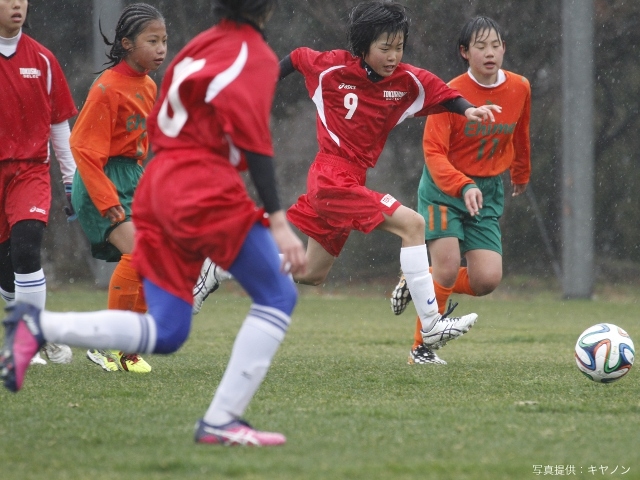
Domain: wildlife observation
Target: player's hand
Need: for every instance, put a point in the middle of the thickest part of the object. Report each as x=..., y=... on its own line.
x=483, y=113
x=115, y=214
x=294, y=259
x=71, y=213
x=518, y=188
x=473, y=200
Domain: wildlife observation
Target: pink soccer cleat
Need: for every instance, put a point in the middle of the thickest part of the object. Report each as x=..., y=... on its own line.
x=237, y=432
x=22, y=340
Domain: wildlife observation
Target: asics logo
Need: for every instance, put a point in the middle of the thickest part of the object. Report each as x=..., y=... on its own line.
x=240, y=437
x=431, y=300
x=346, y=86
x=39, y=210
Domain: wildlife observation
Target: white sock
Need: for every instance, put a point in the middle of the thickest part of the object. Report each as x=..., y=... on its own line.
x=415, y=267
x=256, y=344
x=8, y=297
x=106, y=329
x=31, y=288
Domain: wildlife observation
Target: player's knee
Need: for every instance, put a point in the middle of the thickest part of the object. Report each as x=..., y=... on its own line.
x=413, y=231
x=486, y=284
x=282, y=296
x=314, y=279
x=172, y=317
x=26, y=242
x=172, y=330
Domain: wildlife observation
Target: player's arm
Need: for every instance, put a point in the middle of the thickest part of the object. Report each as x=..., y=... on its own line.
x=60, y=133
x=262, y=172
x=286, y=67
x=462, y=106
x=90, y=143
x=436, y=144
x=520, y=169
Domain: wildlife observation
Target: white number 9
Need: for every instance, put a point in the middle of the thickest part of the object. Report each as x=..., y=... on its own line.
x=350, y=103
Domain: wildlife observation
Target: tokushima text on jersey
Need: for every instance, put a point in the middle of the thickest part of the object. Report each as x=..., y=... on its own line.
x=30, y=73
x=393, y=94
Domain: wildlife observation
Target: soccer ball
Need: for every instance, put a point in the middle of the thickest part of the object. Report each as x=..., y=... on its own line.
x=604, y=353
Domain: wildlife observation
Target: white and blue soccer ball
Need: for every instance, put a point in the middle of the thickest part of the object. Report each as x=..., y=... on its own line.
x=604, y=353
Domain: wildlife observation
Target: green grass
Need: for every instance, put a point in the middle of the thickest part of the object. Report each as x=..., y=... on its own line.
x=339, y=388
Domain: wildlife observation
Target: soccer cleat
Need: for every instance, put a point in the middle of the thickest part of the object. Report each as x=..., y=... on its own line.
x=236, y=432
x=22, y=340
x=131, y=362
x=447, y=328
x=57, y=353
x=37, y=360
x=422, y=355
x=104, y=359
x=207, y=283
x=400, y=297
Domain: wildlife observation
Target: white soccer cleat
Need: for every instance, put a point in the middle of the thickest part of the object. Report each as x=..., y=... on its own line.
x=37, y=360
x=58, y=353
x=447, y=328
x=211, y=275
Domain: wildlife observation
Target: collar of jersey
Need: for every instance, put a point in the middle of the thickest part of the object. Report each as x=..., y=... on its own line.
x=501, y=79
x=125, y=69
x=371, y=74
x=8, y=46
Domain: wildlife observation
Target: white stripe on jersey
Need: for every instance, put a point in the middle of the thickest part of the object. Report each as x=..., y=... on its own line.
x=229, y=75
x=317, y=99
x=49, y=74
x=418, y=103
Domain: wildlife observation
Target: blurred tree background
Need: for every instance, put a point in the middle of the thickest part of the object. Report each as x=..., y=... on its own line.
x=533, y=38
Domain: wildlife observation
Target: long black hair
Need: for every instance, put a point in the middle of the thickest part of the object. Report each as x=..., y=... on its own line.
x=132, y=21
x=251, y=11
x=369, y=20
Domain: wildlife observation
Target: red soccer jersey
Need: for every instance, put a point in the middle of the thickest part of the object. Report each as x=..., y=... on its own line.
x=218, y=100
x=33, y=95
x=215, y=101
x=355, y=114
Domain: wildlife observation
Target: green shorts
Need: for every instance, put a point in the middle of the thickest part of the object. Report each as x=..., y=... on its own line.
x=447, y=216
x=125, y=174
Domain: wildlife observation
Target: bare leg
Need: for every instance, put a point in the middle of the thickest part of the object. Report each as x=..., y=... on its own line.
x=319, y=263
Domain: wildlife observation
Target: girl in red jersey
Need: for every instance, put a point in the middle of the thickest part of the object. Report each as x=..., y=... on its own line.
x=461, y=195
x=360, y=96
x=211, y=120
x=36, y=106
x=109, y=143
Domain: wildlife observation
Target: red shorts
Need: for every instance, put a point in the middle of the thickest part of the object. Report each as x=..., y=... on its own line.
x=337, y=202
x=25, y=193
x=187, y=208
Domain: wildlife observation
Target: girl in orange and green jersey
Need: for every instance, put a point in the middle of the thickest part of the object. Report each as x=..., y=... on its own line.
x=461, y=194
x=109, y=143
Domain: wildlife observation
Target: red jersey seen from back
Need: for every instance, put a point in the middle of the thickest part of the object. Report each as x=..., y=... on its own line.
x=34, y=94
x=217, y=94
x=356, y=114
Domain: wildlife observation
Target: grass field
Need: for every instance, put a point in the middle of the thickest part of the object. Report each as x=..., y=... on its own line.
x=509, y=403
